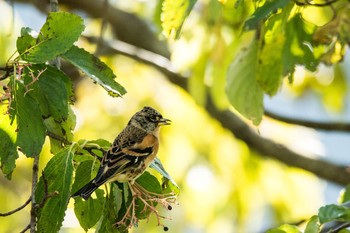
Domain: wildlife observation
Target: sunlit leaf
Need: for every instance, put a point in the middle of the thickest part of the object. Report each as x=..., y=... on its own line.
x=263, y=12
x=174, y=14
x=312, y=226
x=8, y=153
x=58, y=174
x=242, y=89
x=95, y=69
x=345, y=195
x=57, y=35
x=285, y=229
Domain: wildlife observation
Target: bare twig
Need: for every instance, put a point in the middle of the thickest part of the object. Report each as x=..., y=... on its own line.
x=26, y=228
x=17, y=209
x=329, y=126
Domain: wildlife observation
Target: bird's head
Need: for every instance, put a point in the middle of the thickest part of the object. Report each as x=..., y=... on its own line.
x=148, y=119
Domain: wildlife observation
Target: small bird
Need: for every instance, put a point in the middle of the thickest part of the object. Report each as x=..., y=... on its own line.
x=131, y=152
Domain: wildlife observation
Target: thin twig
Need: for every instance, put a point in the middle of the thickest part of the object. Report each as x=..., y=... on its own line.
x=17, y=209
x=26, y=228
x=329, y=126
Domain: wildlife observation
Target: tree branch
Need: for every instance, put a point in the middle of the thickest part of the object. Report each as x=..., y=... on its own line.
x=17, y=209
x=230, y=121
x=127, y=27
x=329, y=126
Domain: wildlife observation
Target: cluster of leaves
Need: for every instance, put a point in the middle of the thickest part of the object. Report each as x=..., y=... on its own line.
x=330, y=218
x=275, y=38
x=36, y=100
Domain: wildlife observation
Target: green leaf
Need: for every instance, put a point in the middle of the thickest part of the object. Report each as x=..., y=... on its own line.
x=174, y=14
x=8, y=153
x=8, y=145
x=84, y=173
x=345, y=195
x=295, y=50
x=48, y=86
x=109, y=217
x=90, y=211
x=242, y=89
x=333, y=212
x=57, y=35
x=63, y=129
x=149, y=182
x=313, y=225
x=95, y=69
x=31, y=131
x=26, y=40
x=285, y=229
x=263, y=12
x=158, y=166
x=58, y=174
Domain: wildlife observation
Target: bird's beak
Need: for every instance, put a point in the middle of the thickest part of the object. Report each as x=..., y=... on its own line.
x=164, y=121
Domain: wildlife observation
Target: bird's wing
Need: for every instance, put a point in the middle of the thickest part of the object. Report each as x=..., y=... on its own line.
x=125, y=153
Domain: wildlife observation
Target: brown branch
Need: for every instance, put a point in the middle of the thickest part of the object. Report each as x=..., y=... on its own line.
x=127, y=26
x=17, y=209
x=329, y=126
x=229, y=120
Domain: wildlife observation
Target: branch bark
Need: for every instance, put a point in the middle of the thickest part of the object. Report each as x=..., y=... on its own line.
x=321, y=168
x=328, y=126
x=129, y=28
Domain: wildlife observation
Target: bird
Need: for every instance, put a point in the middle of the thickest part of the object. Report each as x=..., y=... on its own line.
x=131, y=153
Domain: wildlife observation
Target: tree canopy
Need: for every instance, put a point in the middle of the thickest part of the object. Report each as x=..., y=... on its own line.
x=210, y=66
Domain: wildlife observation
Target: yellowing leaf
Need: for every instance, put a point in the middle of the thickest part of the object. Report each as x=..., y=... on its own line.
x=174, y=14
x=242, y=89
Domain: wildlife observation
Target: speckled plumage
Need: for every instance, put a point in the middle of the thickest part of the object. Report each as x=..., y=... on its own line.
x=131, y=152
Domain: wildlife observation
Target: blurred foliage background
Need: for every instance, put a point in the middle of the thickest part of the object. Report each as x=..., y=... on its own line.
x=226, y=186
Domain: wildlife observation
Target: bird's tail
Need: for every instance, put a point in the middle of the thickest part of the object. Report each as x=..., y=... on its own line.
x=86, y=191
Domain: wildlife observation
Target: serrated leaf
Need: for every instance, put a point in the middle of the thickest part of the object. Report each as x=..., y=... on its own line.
x=263, y=12
x=90, y=211
x=313, y=225
x=48, y=86
x=31, y=130
x=109, y=217
x=95, y=69
x=149, y=182
x=242, y=89
x=57, y=35
x=84, y=173
x=174, y=14
x=333, y=212
x=58, y=173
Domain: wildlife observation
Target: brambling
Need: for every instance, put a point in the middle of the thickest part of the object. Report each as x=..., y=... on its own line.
x=131, y=152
